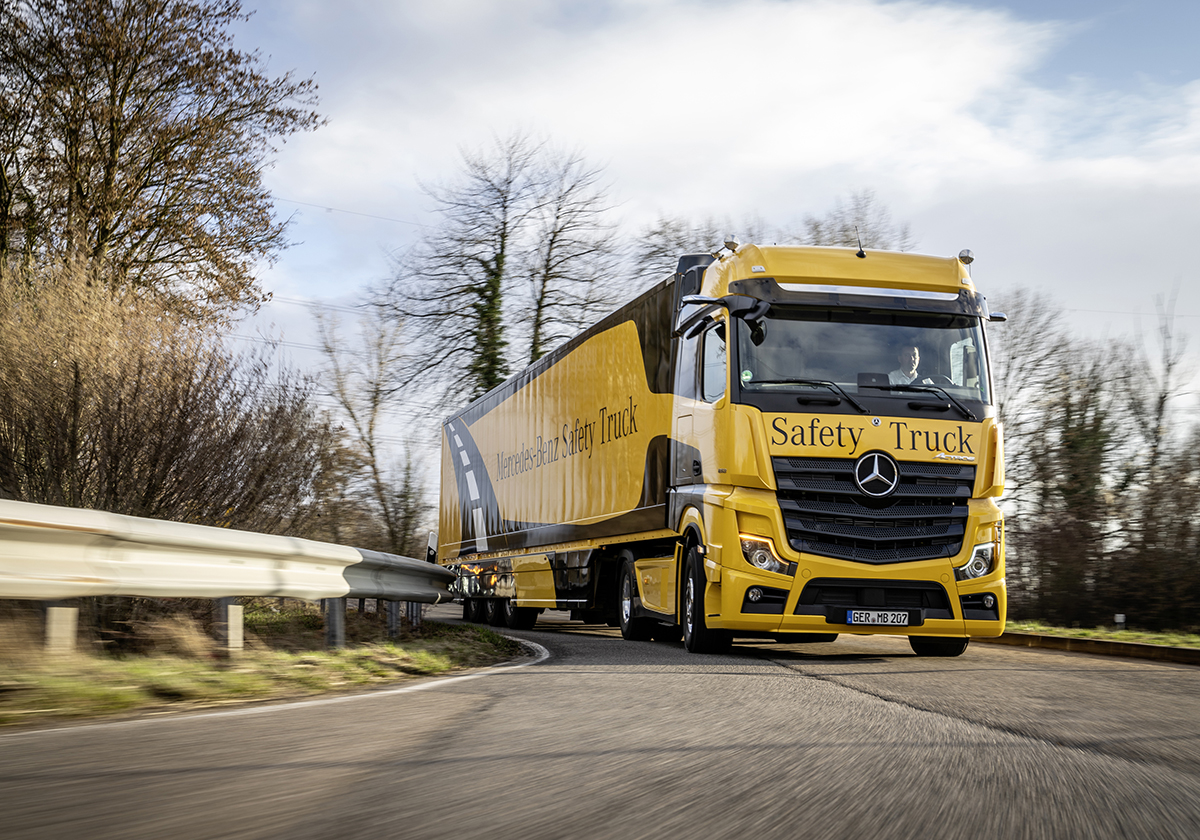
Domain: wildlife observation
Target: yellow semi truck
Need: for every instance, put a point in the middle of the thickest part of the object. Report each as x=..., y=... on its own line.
x=774, y=442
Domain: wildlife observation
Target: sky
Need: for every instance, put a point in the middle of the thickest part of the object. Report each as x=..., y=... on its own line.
x=1059, y=140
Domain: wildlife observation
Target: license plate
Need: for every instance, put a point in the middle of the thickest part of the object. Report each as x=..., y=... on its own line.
x=885, y=617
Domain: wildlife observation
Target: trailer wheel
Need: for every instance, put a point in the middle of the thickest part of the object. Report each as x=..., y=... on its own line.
x=934, y=646
x=475, y=613
x=518, y=618
x=493, y=609
x=633, y=628
x=697, y=637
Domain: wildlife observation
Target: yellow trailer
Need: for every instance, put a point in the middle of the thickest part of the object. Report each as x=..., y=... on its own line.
x=786, y=442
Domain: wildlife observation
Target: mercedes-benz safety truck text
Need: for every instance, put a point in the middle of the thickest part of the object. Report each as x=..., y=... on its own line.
x=786, y=442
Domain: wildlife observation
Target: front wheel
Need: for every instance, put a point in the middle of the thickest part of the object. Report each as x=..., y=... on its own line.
x=935, y=646
x=697, y=637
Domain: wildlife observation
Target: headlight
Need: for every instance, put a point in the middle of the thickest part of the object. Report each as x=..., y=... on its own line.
x=759, y=553
x=981, y=563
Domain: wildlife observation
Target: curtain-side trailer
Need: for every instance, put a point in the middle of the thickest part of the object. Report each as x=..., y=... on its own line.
x=787, y=442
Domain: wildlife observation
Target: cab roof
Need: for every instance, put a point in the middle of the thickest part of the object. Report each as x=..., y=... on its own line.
x=823, y=266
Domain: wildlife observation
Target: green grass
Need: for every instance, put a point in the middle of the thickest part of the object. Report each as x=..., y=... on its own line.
x=1111, y=634
x=38, y=689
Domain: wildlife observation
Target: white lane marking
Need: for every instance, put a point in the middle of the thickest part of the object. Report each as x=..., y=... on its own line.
x=466, y=461
x=458, y=442
x=480, y=529
x=472, y=486
x=542, y=656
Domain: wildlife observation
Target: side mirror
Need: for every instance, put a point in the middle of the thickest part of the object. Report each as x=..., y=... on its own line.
x=998, y=317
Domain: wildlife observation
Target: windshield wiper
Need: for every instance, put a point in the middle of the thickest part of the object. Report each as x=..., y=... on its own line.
x=928, y=389
x=816, y=383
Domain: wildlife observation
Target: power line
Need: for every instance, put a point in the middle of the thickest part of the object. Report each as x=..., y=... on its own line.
x=329, y=209
x=312, y=304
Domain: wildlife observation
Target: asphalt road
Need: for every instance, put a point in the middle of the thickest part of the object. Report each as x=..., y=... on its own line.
x=611, y=739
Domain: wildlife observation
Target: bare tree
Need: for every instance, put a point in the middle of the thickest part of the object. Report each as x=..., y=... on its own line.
x=573, y=254
x=1157, y=578
x=519, y=245
x=452, y=286
x=1028, y=355
x=109, y=405
x=363, y=381
x=141, y=151
x=861, y=220
x=656, y=250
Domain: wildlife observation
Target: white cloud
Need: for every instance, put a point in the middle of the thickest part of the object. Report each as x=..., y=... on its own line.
x=763, y=107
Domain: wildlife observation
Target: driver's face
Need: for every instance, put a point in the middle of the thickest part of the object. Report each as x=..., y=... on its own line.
x=909, y=358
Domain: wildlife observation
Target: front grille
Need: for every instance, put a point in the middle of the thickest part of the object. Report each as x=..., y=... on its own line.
x=826, y=514
x=820, y=593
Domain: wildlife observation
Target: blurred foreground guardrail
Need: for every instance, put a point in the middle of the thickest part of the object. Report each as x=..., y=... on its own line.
x=51, y=553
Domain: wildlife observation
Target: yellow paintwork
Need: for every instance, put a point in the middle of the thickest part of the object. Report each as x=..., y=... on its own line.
x=450, y=516
x=837, y=267
x=656, y=583
x=533, y=581
x=570, y=446
x=548, y=478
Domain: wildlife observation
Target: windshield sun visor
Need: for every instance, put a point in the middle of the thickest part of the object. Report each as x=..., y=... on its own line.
x=960, y=302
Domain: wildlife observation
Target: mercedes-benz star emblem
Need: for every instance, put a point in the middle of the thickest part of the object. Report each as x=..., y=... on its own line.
x=876, y=474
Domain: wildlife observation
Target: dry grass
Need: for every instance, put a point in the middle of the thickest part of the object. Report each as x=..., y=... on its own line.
x=179, y=667
x=1111, y=634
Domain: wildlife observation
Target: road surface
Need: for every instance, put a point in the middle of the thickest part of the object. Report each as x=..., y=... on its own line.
x=611, y=739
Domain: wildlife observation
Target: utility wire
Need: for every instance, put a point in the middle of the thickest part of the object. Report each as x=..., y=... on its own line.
x=329, y=209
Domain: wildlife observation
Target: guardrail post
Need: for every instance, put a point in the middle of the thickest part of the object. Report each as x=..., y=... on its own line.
x=335, y=622
x=227, y=625
x=393, y=619
x=413, y=614
x=61, y=625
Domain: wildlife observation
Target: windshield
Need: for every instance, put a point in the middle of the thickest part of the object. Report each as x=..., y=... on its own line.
x=863, y=352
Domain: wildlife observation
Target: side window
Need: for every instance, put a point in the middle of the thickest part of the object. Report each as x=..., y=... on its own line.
x=712, y=376
x=685, y=370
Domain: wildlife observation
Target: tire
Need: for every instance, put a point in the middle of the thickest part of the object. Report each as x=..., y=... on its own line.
x=697, y=637
x=493, y=609
x=518, y=618
x=936, y=646
x=466, y=605
x=633, y=628
x=475, y=611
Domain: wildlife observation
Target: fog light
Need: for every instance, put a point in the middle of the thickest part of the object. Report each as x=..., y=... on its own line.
x=980, y=563
x=989, y=601
x=754, y=595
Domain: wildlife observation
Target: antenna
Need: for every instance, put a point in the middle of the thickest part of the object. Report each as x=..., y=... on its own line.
x=861, y=254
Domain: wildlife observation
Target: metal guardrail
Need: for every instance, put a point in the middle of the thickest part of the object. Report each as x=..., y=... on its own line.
x=52, y=553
